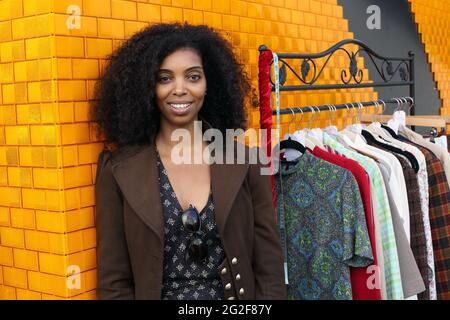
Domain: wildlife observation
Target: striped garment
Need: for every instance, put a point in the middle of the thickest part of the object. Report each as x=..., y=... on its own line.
x=394, y=288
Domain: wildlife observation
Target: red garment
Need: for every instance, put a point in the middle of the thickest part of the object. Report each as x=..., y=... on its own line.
x=358, y=276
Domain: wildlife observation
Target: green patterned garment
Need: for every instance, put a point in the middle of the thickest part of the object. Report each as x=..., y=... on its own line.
x=326, y=228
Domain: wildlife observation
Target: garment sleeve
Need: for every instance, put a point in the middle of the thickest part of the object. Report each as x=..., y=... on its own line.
x=357, y=247
x=114, y=275
x=267, y=253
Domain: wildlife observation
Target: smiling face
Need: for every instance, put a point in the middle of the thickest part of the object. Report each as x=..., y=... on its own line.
x=181, y=87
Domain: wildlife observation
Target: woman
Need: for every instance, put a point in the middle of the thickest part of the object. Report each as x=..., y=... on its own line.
x=167, y=230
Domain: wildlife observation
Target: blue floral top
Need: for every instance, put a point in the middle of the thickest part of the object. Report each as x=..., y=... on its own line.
x=326, y=228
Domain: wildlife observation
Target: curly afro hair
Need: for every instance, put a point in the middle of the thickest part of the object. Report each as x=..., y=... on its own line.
x=124, y=104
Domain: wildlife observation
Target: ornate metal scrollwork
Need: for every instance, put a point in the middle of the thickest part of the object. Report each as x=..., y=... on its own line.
x=305, y=69
x=387, y=68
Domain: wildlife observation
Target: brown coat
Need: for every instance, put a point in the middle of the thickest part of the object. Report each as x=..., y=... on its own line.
x=130, y=228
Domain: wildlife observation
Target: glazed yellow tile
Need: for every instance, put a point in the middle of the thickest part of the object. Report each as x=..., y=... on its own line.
x=89, y=238
x=40, y=48
x=77, y=176
x=80, y=219
x=17, y=135
x=74, y=242
x=46, y=283
x=72, y=199
x=169, y=14
x=45, y=67
x=26, y=259
x=85, y=68
x=20, y=72
x=68, y=25
x=123, y=9
x=47, y=178
x=213, y=19
x=15, y=277
x=36, y=7
x=182, y=4
x=23, y=294
x=12, y=237
x=75, y=133
x=66, y=114
x=37, y=241
x=6, y=292
x=87, y=196
x=5, y=31
x=6, y=256
x=97, y=48
x=97, y=8
x=43, y=91
x=196, y=17
x=14, y=93
x=85, y=260
x=33, y=199
x=12, y=51
x=6, y=73
x=90, y=280
x=54, y=200
x=61, y=6
x=71, y=90
x=10, y=9
x=90, y=295
x=7, y=115
x=148, y=12
x=20, y=177
x=49, y=113
x=11, y=156
x=67, y=46
x=85, y=154
x=247, y=25
x=111, y=28
x=52, y=263
x=4, y=216
x=45, y=135
x=237, y=8
x=205, y=5
x=61, y=68
x=70, y=156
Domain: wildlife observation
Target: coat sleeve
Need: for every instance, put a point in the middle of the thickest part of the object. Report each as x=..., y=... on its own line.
x=114, y=274
x=267, y=252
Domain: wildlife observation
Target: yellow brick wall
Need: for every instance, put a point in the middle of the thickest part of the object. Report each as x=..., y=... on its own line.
x=433, y=21
x=48, y=150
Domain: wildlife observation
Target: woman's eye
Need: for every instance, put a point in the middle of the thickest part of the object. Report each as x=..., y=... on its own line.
x=195, y=77
x=163, y=79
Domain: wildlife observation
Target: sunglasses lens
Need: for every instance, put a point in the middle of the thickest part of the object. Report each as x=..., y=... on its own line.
x=197, y=249
x=191, y=220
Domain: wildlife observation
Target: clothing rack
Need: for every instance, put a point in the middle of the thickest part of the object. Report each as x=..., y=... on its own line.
x=392, y=71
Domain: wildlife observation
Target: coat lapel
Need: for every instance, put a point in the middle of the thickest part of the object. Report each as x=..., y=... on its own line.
x=137, y=177
x=226, y=180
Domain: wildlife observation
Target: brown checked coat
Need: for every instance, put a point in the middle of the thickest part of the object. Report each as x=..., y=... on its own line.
x=130, y=228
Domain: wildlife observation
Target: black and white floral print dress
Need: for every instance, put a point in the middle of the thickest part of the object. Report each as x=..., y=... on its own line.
x=184, y=279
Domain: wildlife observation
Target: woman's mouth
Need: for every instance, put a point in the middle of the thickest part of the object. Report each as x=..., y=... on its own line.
x=180, y=108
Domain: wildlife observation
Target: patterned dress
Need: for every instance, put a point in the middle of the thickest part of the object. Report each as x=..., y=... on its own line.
x=326, y=228
x=184, y=279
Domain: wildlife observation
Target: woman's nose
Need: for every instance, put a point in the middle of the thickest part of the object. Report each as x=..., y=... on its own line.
x=179, y=88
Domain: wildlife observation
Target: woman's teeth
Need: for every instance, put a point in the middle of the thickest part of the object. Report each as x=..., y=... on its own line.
x=180, y=106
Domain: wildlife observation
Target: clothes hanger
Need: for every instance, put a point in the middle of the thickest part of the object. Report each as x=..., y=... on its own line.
x=331, y=128
x=291, y=143
x=371, y=140
x=310, y=141
x=387, y=128
x=315, y=135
